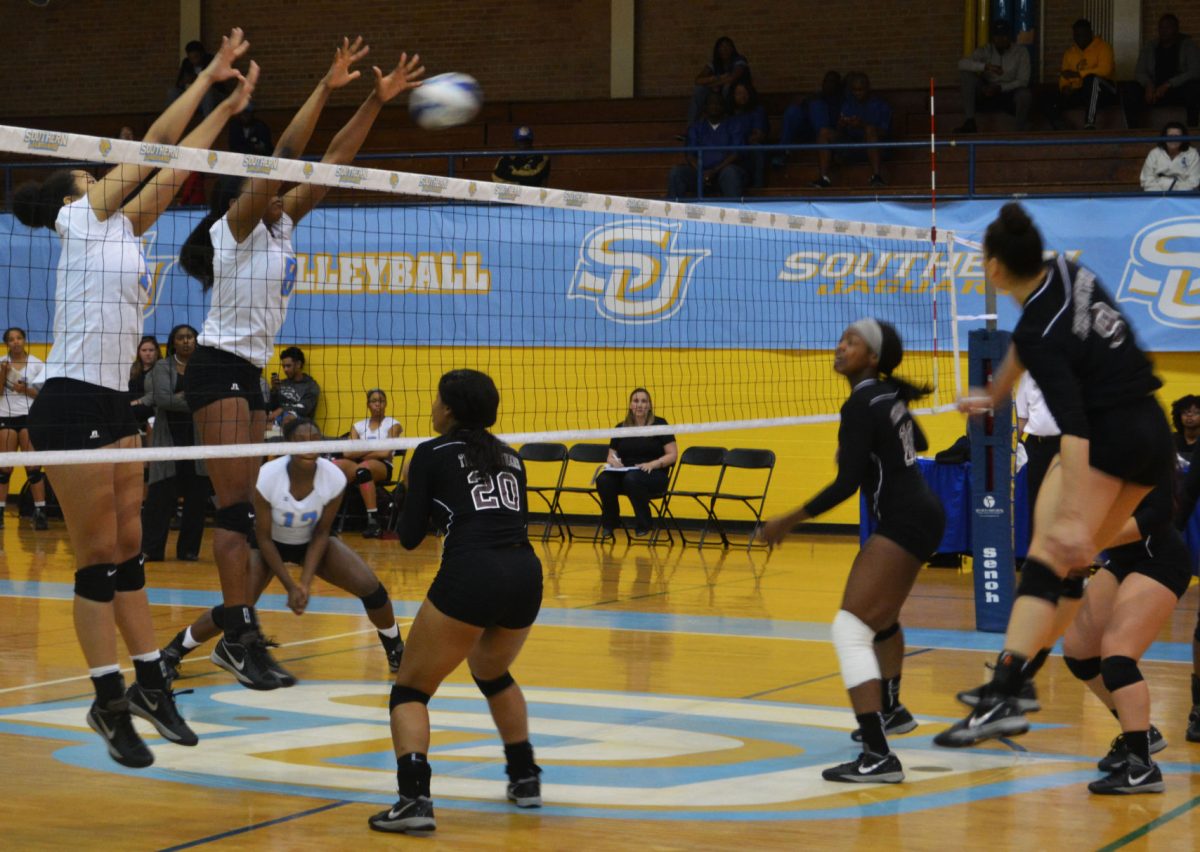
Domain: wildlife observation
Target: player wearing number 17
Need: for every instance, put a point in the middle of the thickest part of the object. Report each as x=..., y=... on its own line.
x=483, y=600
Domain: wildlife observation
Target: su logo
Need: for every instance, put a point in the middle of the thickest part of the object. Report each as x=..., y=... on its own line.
x=634, y=271
x=1164, y=259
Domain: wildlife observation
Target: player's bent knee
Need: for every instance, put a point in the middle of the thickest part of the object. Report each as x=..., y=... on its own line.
x=854, y=643
x=1084, y=669
x=131, y=574
x=1119, y=672
x=494, y=686
x=406, y=695
x=887, y=632
x=5, y=476
x=96, y=582
x=363, y=476
x=376, y=599
x=1039, y=581
x=236, y=517
x=34, y=475
x=217, y=614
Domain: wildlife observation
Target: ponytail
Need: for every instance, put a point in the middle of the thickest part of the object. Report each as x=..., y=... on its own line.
x=890, y=355
x=473, y=399
x=484, y=451
x=36, y=205
x=196, y=255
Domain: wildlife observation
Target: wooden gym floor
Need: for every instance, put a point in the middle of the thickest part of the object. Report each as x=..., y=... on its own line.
x=680, y=699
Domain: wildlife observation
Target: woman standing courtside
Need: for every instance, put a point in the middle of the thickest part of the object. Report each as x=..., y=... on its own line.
x=878, y=442
x=242, y=251
x=1115, y=447
x=21, y=376
x=483, y=600
x=84, y=404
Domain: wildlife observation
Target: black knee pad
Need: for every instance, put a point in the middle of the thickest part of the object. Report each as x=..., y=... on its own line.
x=96, y=582
x=1072, y=588
x=363, y=476
x=217, y=614
x=131, y=574
x=1038, y=581
x=887, y=632
x=236, y=517
x=376, y=599
x=406, y=695
x=494, y=686
x=34, y=475
x=1196, y=632
x=1119, y=672
x=5, y=476
x=1085, y=669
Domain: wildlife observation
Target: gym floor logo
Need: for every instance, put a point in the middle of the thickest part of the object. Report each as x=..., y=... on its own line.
x=633, y=271
x=605, y=754
x=1161, y=272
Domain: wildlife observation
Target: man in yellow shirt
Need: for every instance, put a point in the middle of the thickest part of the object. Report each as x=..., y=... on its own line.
x=1086, y=78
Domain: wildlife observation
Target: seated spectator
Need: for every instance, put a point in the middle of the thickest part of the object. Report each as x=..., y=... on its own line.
x=295, y=396
x=1168, y=73
x=183, y=79
x=641, y=468
x=126, y=133
x=249, y=134
x=803, y=120
x=1185, y=414
x=720, y=137
x=1171, y=166
x=1086, y=78
x=996, y=76
x=726, y=67
x=863, y=117
x=22, y=375
x=525, y=169
x=195, y=60
x=750, y=119
x=364, y=469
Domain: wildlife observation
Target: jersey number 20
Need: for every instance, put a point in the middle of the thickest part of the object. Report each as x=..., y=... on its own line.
x=489, y=492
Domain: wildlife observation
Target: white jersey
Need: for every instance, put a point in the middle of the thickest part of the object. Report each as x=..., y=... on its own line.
x=252, y=282
x=294, y=521
x=364, y=430
x=102, y=285
x=14, y=403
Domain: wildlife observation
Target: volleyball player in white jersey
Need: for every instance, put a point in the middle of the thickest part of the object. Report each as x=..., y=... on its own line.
x=101, y=287
x=21, y=376
x=364, y=469
x=242, y=251
x=296, y=501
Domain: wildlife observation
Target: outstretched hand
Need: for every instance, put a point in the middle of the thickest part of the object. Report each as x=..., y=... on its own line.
x=406, y=75
x=233, y=47
x=245, y=88
x=339, y=73
x=977, y=401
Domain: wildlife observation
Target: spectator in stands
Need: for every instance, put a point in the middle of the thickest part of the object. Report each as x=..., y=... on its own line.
x=249, y=134
x=21, y=377
x=195, y=60
x=996, y=76
x=750, y=119
x=171, y=480
x=640, y=467
x=364, y=469
x=1171, y=166
x=526, y=169
x=1086, y=78
x=1168, y=73
x=805, y=118
x=864, y=117
x=183, y=79
x=147, y=356
x=720, y=137
x=126, y=134
x=726, y=68
x=1185, y=414
x=297, y=395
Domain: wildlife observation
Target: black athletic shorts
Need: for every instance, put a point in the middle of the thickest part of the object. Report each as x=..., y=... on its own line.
x=917, y=526
x=500, y=586
x=1162, y=557
x=16, y=424
x=72, y=415
x=214, y=374
x=293, y=553
x=1132, y=443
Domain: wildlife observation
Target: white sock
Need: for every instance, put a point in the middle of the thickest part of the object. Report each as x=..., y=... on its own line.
x=149, y=657
x=39, y=504
x=372, y=511
x=189, y=641
x=392, y=632
x=101, y=671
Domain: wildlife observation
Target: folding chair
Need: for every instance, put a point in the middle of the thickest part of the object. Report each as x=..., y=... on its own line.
x=551, y=456
x=595, y=455
x=700, y=487
x=381, y=490
x=745, y=460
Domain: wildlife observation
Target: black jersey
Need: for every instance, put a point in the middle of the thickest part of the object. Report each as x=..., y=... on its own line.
x=476, y=511
x=878, y=442
x=1160, y=542
x=1079, y=349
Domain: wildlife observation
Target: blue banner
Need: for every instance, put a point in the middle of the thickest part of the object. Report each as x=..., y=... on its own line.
x=506, y=276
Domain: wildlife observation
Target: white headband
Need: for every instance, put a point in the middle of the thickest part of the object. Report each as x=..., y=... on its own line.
x=868, y=329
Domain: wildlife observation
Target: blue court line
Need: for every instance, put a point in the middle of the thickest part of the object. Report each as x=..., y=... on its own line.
x=212, y=838
x=649, y=622
x=1150, y=826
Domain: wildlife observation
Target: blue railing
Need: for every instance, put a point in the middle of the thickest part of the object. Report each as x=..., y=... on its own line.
x=972, y=145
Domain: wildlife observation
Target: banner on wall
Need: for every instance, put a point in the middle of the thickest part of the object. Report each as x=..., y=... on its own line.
x=502, y=276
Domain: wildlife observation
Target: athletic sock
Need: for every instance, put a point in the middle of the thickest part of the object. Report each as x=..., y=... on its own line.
x=148, y=669
x=891, y=693
x=871, y=725
x=187, y=640
x=1138, y=743
x=412, y=775
x=1009, y=674
x=1035, y=665
x=37, y=504
x=391, y=632
x=519, y=757
x=108, y=683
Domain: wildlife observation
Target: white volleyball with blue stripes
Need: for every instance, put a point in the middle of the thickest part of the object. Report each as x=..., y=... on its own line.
x=446, y=100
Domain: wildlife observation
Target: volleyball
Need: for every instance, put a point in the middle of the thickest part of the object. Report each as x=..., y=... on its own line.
x=446, y=100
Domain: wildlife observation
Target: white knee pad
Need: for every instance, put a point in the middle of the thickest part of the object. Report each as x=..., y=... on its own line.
x=854, y=642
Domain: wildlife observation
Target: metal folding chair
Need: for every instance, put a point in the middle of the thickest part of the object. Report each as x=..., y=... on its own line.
x=553, y=458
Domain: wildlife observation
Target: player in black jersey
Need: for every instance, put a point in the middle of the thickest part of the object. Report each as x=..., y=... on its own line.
x=1125, y=605
x=1116, y=446
x=878, y=442
x=483, y=601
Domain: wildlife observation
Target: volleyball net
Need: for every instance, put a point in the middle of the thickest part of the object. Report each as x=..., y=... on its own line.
x=729, y=315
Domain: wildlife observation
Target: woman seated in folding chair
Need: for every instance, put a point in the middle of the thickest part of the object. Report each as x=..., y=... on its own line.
x=639, y=468
x=365, y=469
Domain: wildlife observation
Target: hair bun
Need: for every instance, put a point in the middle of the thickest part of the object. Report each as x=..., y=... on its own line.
x=1016, y=221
